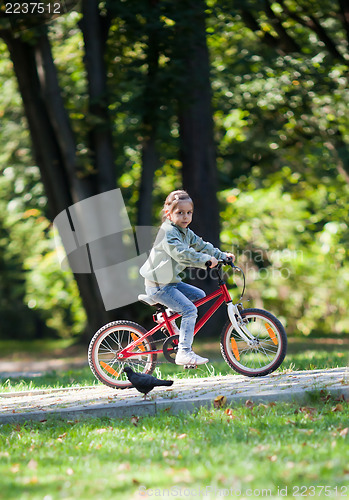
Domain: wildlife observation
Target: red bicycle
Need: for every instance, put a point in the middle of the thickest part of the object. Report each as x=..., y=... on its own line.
x=253, y=341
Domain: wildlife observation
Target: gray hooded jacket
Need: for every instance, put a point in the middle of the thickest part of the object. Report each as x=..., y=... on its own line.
x=174, y=249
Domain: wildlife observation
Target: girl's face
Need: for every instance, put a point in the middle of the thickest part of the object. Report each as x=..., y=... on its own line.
x=182, y=214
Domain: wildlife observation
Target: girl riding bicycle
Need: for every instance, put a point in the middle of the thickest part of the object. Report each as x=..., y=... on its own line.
x=177, y=247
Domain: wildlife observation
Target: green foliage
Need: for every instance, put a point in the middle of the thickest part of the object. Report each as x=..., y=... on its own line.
x=294, y=252
x=280, y=100
x=53, y=292
x=37, y=297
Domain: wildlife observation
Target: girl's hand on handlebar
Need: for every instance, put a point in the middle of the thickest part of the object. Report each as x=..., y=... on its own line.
x=213, y=262
x=230, y=256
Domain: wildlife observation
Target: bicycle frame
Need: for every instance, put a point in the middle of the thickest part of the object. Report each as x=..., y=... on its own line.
x=222, y=295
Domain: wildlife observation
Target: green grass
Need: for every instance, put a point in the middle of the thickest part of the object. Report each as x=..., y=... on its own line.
x=76, y=377
x=247, y=447
x=301, y=356
x=15, y=349
x=269, y=448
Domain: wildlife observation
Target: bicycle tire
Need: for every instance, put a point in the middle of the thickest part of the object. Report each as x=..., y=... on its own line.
x=263, y=358
x=112, y=338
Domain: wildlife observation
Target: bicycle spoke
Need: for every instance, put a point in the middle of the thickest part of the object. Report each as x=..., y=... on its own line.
x=108, y=342
x=262, y=354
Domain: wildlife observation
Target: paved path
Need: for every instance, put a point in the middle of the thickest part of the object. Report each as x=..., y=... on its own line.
x=184, y=395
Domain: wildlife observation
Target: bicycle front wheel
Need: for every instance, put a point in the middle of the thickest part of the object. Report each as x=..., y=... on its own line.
x=108, y=342
x=261, y=356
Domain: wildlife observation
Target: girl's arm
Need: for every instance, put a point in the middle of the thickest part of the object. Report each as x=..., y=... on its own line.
x=184, y=254
x=205, y=247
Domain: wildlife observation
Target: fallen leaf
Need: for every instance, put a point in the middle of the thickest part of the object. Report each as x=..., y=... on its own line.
x=32, y=464
x=134, y=420
x=230, y=414
x=249, y=403
x=338, y=407
x=15, y=468
x=181, y=436
x=101, y=431
x=261, y=447
x=219, y=401
x=307, y=409
x=306, y=431
x=344, y=432
x=272, y=458
x=262, y=405
x=31, y=480
x=124, y=466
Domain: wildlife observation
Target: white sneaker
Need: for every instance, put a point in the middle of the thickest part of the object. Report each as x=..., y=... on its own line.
x=189, y=358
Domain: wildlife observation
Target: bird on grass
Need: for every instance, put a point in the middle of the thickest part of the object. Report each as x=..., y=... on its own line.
x=144, y=383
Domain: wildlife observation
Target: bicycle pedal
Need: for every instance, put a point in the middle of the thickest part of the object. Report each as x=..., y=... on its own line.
x=190, y=367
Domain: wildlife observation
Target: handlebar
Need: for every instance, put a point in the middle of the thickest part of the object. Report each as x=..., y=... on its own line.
x=229, y=261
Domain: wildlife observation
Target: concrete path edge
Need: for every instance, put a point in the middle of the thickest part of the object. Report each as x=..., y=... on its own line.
x=151, y=408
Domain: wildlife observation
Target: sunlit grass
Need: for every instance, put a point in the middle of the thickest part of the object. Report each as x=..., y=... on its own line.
x=307, y=359
x=260, y=447
x=15, y=349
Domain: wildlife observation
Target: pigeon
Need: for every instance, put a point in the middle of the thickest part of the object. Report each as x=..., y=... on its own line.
x=144, y=383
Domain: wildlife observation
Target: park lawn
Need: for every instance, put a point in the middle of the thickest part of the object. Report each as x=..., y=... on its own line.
x=266, y=449
x=302, y=355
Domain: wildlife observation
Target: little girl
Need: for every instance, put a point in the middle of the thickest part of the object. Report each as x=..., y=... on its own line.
x=177, y=247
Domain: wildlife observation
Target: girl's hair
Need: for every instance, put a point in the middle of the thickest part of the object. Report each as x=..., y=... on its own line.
x=172, y=201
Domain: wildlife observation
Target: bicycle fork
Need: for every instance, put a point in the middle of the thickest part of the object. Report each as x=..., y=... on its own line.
x=238, y=324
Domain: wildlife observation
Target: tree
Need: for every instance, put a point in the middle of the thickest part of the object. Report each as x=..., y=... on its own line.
x=197, y=147
x=53, y=141
x=306, y=41
x=55, y=147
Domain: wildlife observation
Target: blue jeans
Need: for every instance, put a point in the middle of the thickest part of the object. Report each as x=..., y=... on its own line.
x=179, y=297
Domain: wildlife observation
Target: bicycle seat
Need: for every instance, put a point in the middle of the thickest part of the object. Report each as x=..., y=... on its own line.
x=147, y=300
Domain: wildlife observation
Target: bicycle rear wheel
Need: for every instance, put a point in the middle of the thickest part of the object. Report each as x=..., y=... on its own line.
x=111, y=339
x=265, y=354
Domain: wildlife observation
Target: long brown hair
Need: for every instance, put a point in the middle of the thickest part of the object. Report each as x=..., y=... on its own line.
x=172, y=201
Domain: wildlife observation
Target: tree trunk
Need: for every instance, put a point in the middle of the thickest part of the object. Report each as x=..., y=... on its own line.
x=197, y=149
x=53, y=148
x=150, y=156
x=94, y=31
x=196, y=125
